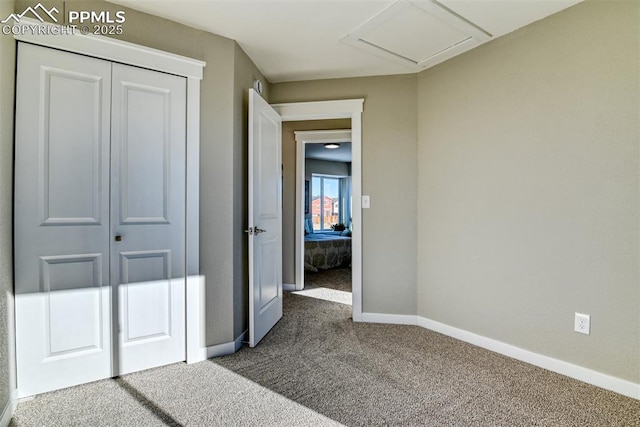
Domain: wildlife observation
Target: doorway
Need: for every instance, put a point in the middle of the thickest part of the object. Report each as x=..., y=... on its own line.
x=324, y=166
x=330, y=110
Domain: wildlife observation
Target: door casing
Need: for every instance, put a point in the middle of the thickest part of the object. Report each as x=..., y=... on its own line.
x=340, y=109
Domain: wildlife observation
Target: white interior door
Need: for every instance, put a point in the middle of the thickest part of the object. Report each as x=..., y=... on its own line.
x=63, y=321
x=265, y=218
x=148, y=149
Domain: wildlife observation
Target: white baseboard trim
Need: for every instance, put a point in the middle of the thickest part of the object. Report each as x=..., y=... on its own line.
x=241, y=340
x=221, y=349
x=393, y=319
x=598, y=379
x=226, y=348
x=196, y=348
x=9, y=409
x=288, y=287
x=618, y=385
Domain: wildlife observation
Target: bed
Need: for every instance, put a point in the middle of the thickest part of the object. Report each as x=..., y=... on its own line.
x=323, y=251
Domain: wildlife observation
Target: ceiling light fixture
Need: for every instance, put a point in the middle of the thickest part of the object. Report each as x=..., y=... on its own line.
x=332, y=145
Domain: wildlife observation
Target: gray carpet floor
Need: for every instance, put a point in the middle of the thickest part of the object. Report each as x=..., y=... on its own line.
x=338, y=279
x=317, y=367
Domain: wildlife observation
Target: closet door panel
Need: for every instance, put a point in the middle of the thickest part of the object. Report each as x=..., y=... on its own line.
x=63, y=319
x=148, y=216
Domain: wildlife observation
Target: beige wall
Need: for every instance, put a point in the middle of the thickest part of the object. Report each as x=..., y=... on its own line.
x=7, y=71
x=227, y=74
x=289, y=187
x=389, y=170
x=528, y=201
x=312, y=166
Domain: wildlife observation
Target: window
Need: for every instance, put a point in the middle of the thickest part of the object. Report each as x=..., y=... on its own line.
x=326, y=204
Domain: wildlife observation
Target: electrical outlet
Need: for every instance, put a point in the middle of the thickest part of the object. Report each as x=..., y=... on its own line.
x=582, y=323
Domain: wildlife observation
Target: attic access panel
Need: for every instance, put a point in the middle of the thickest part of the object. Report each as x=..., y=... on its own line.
x=417, y=34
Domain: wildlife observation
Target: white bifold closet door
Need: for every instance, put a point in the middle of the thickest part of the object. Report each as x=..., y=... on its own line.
x=99, y=219
x=148, y=155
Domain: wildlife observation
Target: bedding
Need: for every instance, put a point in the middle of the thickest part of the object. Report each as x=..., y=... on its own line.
x=323, y=251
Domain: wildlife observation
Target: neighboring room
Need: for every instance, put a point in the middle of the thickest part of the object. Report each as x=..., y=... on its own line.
x=327, y=206
x=317, y=252
x=327, y=218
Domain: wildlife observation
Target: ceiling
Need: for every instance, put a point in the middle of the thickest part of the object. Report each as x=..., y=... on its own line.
x=291, y=40
x=318, y=152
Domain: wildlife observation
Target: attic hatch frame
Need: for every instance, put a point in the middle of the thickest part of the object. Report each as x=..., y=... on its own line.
x=474, y=35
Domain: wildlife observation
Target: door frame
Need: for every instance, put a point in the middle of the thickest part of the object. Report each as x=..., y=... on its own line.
x=338, y=109
x=114, y=50
x=302, y=139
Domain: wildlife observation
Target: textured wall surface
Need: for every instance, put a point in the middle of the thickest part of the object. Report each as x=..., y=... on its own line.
x=389, y=176
x=528, y=201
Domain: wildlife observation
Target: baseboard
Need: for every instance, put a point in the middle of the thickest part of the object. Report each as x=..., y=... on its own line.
x=580, y=373
x=227, y=348
x=598, y=379
x=9, y=409
x=241, y=340
x=196, y=349
x=288, y=287
x=393, y=319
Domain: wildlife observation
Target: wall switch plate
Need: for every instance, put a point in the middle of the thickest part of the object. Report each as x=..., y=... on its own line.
x=366, y=202
x=582, y=323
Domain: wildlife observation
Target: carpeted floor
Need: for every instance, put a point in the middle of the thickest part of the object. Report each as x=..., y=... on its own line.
x=331, y=285
x=337, y=278
x=317, y=367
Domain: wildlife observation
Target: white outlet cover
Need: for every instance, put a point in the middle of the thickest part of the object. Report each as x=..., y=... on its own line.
x=582, y=323
x=366, y=202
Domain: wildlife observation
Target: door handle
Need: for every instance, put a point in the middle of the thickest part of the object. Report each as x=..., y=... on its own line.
x=118, y=238
x=254, y=231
